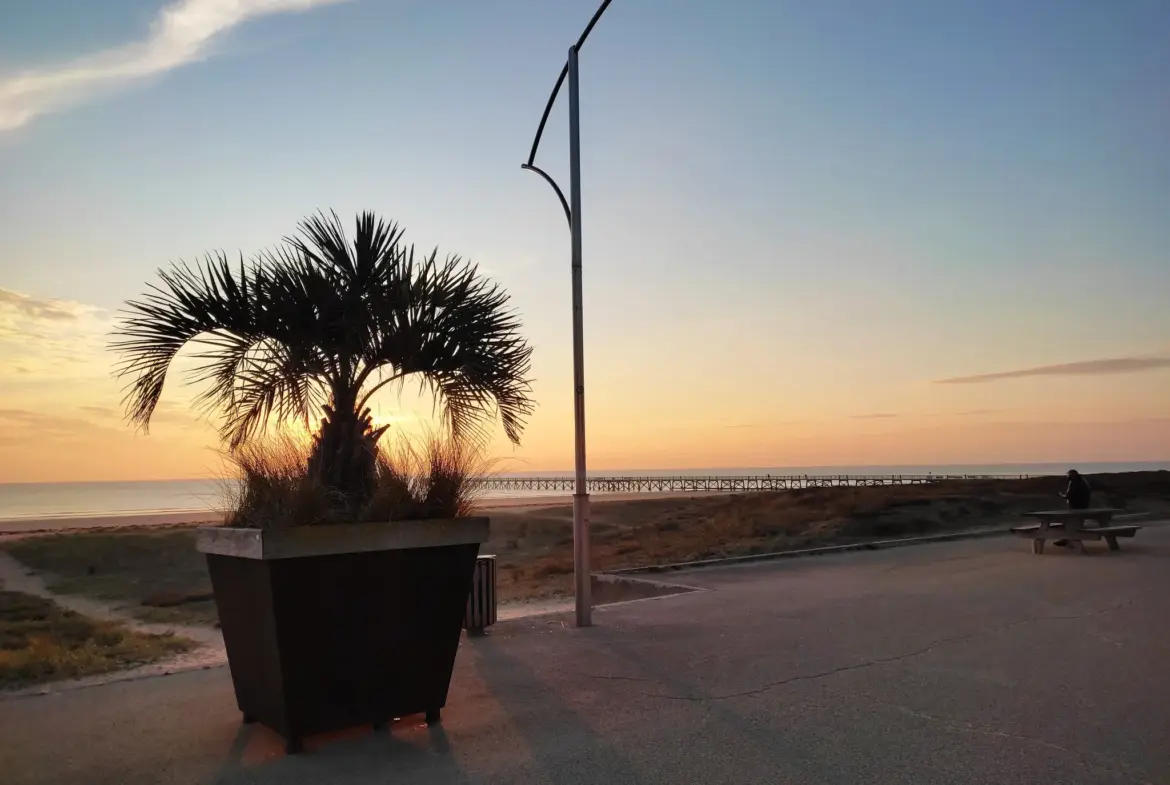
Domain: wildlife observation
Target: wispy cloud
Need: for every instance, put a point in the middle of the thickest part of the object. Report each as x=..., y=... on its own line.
x=16, y=306
x=874, y=416
x=42, y=424
x=55, y=354
x=1113, y=365
x=168, y=412
x=50, y=338
x=181, y=33
x=23, y=316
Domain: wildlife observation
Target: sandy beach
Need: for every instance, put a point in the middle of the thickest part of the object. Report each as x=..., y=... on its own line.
x=1139, y=484
x=65, y=523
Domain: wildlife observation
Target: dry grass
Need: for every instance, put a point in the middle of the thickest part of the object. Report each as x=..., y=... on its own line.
x=428, y=482
x=164, y=579
x=424, y=480
x=274, y=489
x=535, y=548
x=40, y=641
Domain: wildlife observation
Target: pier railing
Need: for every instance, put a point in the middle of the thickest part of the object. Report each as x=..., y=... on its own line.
x=723, y=484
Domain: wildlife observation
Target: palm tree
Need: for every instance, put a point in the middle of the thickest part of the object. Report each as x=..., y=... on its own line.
x=318, y=325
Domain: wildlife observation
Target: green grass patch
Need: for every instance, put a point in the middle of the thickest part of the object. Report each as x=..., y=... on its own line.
x=41, y=641
x=158, y=577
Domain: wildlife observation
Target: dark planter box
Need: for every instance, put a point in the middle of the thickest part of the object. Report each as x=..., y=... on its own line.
x=330, y=627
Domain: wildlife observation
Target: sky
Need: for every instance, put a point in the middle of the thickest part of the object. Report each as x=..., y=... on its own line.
x=832, y=233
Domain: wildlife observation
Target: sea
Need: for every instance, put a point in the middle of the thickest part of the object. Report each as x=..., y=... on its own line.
x=79, y=499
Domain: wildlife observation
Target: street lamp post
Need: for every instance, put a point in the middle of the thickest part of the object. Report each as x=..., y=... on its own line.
x=582, y=588
x=582, y=581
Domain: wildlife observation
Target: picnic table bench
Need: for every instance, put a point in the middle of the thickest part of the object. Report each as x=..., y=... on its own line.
x=1070, y=525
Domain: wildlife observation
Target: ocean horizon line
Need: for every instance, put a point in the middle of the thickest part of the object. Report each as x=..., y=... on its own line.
x=714, y=471
x=24, y=501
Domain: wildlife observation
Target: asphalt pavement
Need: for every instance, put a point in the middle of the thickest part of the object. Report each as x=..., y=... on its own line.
x=955, y=663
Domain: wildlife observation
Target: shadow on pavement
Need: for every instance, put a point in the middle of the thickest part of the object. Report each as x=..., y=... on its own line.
x=788, y=754
x=567, y=750
x=551, y=740
x=406, y=753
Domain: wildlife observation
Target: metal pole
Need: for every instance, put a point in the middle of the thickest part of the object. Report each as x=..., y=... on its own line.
x=582, y=585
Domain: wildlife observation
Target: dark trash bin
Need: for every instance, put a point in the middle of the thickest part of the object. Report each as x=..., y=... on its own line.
x=481, y=601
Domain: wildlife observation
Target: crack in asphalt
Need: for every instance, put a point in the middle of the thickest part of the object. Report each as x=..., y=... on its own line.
x=963, y=726
x=881, y=660
x=936, y=562
x=621, y=678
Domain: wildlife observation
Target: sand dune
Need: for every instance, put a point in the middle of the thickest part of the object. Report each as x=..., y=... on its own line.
x=197, y=517
x=107, y=521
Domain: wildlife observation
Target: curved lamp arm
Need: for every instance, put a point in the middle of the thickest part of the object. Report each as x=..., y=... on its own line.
x=555, y=187
x=530, y=165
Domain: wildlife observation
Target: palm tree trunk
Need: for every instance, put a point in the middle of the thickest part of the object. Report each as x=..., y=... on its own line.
x=344, y=455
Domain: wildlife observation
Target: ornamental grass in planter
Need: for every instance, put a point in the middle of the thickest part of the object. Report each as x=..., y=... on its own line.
x=342, y=574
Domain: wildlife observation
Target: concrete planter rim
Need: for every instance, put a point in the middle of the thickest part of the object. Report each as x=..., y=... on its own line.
x=328, y=540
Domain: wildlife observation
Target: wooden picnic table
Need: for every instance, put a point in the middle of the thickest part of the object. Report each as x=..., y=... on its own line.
x=1070, y=525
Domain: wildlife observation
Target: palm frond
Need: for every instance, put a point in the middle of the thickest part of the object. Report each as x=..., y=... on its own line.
x=276, y=380
x=445, y=322
x=323, y=322
x=189, y=303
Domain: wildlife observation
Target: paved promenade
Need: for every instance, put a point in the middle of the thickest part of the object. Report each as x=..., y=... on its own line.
x=967, y=662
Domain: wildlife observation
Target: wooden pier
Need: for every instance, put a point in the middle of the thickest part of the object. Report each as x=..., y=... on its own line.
x=684, y=484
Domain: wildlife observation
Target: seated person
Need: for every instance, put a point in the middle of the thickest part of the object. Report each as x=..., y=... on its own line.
x=1078, y=493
